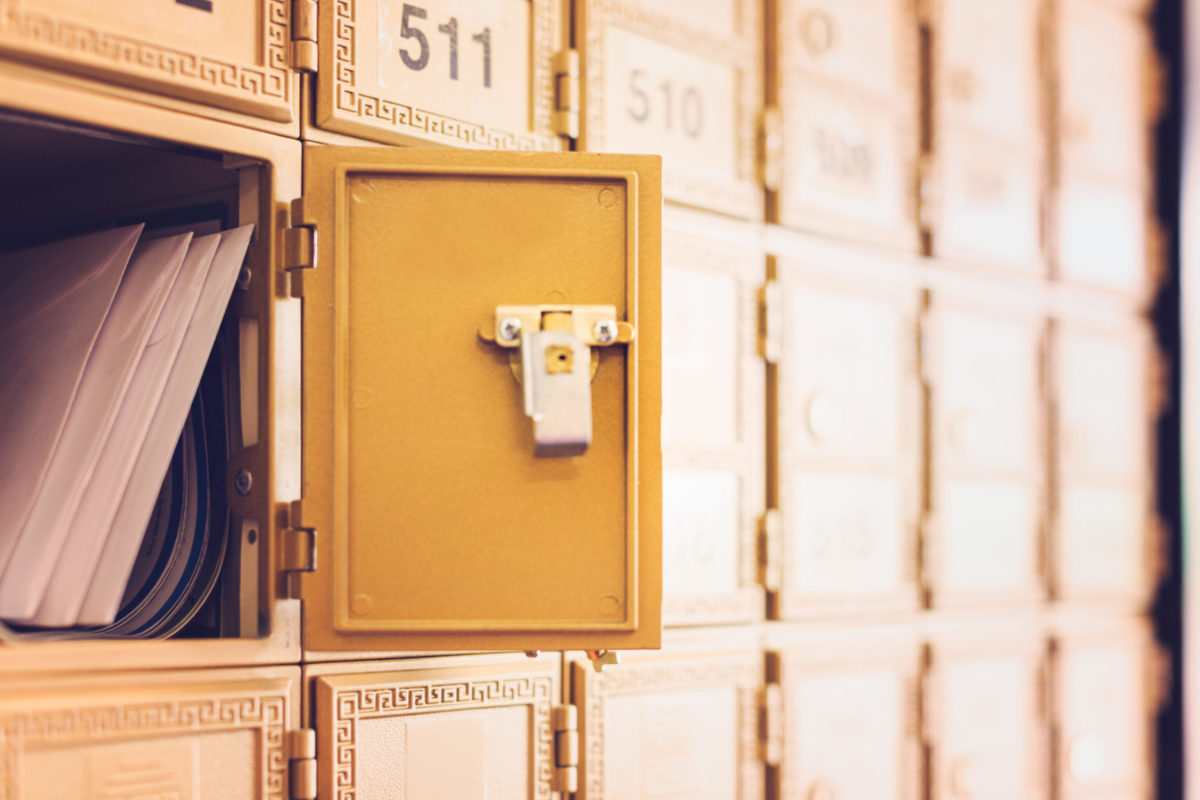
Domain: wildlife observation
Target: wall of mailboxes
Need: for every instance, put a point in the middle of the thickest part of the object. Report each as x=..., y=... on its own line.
x=908, y=393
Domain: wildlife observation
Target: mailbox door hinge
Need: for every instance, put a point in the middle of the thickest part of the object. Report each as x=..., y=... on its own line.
x=304, y=35
x=770, y=321
x=567, y=90
x=770, y=149
x=299, y=249
x=770, y=725
x=299, y=540
x=565, y=722
x=770, y=543
x=302, y=764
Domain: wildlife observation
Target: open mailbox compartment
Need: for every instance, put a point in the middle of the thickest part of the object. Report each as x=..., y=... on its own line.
x=586, y=232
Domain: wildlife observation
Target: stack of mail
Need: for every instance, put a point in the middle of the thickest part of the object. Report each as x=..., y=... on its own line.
x=105, y=341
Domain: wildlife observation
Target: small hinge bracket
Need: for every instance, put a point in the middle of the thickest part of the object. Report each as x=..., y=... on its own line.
x=770, y=725
x=564, y=720
x=770, y=322
x=770, y=149
x=302, y=757
x=299, y=540
x=299, y=249
x=567, y=100
x=770, y=543
x=304, y=35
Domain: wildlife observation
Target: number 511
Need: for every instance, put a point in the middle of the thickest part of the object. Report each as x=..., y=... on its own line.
x=420, y=60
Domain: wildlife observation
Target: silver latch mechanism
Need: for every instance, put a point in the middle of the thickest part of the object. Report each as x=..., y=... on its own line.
x=555, y=366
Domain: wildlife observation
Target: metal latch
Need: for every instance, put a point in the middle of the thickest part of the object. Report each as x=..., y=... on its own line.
x=552, y=357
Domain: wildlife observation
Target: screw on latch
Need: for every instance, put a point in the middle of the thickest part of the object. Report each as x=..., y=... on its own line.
x=605, y=331
x=510, y=329
x=602, y=658
x=243, y=481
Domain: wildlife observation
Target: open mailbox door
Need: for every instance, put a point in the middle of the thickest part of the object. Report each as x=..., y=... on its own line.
x=482, y=466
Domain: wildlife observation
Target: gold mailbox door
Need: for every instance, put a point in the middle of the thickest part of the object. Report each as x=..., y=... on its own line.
x=232, y=55
x=436, y=525
x=186, y=735
x=456, y=73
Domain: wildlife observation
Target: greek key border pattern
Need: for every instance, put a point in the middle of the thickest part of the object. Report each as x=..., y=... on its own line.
x=87, y=45
x=743, y=673
x=373, y=702
x=405, y=118
x=265, y=713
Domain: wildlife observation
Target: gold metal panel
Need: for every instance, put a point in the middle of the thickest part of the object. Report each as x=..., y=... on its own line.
x=712, y=428
x=227, y=55
x=1102, y=431
x=851, y=714
x=988, y=204
x=464, y=74
x=984, y=532
x=437, y=527
x=186, y=735
x=680, y=724
x=681, y=80
x=1102, y=232
x=468, y=727
x=849, y=434
x=1104, y=713
x=846, y=87
x=1104, y=107
x=987, y=717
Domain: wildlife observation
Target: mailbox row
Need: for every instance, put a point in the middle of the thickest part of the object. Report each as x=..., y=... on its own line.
x=986, y=709
x=907, y=441
x=1007, y=134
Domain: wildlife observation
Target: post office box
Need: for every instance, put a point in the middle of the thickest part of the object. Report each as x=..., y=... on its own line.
x=230, y=60
x=845, y=83
x=1102, y=515
x=1104, y=106
x=216, y=733
x=987, y=63
x=849, y=432
x=477, y=726
x=712, y=428
x=987, y=714
x=683, y=723
x=1104, y=711
x=464, y=74
x=681, y=80
x=549, y=534
x=987, y=203
x=984, y=532
x=850, y=715
x=1101, y=233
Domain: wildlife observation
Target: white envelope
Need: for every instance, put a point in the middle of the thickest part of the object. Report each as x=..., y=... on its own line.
x=88, y=527
x=53, y=305
x=151, y=272
x=101, y=602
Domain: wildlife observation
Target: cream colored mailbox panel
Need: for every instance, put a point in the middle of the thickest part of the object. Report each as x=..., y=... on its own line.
x=482, y=398
x=988, y=723
x=681, y=80
x=471, y=727
x=676, y=725
x=1104, y=714
x=849, y=431
x=1102, y=508
x=712, y=430
x=846, y=90
x=451, y=73
x=1103, y=103
x=850, y=724
x=220, y=733
x=231, y=55
x=986, y=423
x=1102, y=232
